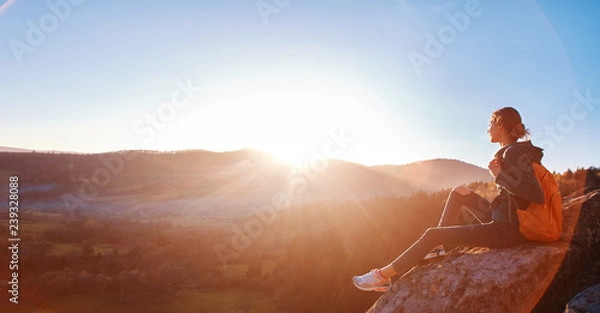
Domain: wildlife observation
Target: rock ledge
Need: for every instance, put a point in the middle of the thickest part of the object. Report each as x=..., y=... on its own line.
x=521, y=279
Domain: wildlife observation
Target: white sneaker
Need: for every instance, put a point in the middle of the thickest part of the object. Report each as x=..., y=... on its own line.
x=372, y=281
x=436, y=252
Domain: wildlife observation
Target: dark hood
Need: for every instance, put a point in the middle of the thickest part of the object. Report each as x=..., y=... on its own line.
x=524, y=147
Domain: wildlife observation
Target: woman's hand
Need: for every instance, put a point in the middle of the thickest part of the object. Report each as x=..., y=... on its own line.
x=495, y=167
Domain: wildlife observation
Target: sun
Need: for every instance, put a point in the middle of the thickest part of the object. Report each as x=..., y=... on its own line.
x=288, y=122
x=292, y=119
x=293, y=155
x=293, y=122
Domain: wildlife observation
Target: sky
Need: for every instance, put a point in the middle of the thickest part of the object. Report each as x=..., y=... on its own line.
x=389, y=81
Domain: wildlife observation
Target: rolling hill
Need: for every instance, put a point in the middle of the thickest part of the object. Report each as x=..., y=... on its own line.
x=204, y=181
x=432, y=175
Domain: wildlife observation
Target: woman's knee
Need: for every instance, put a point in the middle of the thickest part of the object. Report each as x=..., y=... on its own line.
x=432, y=233
x=461, y=190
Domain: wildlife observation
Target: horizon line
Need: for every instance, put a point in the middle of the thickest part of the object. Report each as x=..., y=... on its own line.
x=6, y=149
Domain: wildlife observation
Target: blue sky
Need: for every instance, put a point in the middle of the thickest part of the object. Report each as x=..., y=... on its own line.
x=406, y=80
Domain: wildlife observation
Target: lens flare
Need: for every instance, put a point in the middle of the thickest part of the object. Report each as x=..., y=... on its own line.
x=5, y=5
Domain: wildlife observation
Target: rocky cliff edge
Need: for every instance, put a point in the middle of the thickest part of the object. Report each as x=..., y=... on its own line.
x=531, y=277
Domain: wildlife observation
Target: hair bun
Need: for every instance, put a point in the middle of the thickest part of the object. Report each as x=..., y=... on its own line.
x=520, y=127
x=519, y=131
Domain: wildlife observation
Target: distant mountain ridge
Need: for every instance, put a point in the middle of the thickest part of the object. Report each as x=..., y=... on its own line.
x=23, y=150
x=432, y=175
x=204, y=180
x=11, y=149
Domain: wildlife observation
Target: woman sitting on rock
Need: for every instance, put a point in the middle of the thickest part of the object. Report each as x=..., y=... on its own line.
x=499, y=226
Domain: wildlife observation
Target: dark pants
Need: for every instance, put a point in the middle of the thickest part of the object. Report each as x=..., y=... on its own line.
x=485, y=233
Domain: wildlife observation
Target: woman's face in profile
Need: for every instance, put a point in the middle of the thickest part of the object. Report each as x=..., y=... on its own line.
x=494, y=130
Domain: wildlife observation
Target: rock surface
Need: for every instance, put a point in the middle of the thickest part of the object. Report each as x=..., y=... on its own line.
x=585, y=301
x=522, y=279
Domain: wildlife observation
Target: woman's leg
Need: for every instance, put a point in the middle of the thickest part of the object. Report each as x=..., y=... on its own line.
x=462, y=196
x=493, y=235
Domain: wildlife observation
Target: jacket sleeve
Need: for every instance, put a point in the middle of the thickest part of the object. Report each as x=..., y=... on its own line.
x=518, y=178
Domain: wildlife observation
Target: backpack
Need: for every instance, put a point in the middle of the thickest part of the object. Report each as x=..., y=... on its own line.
x=543, y=222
